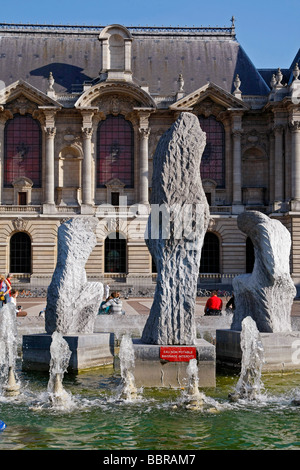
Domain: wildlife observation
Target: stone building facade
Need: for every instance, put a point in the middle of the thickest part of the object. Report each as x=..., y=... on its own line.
x=81, y=112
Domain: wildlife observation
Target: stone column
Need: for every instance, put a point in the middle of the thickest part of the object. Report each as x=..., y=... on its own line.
x=237, y=205
x=229, y=163
x=144, y=167
x=49, y=202
x=278, y=167
x=295, y=128
x=237, y=173
x=87, y=166
x=271, y=168
x=87, y=171
x=144, y=132
x=49, y=172
x=127, y=45
x=2, y=126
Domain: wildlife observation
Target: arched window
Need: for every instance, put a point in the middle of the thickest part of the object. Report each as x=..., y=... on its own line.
x=115, y=253
x=210, y=255
x=250, y=257
x=213, y=158
x=20, y=253
x=115, y=151
x=23, y=147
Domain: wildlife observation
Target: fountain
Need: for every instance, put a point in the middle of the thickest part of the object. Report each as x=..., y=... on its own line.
x=195, y=398
x=72, y=304
x=265, y=295
x=249, y=384
x=175, y=240
x=8, y=349
x=60, y=357
x=126, y=355
x=168, y=343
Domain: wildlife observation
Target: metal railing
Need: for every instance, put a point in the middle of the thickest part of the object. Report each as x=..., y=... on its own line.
x=202, y=30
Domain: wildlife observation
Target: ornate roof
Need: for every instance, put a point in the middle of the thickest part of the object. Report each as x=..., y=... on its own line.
x=159, y=55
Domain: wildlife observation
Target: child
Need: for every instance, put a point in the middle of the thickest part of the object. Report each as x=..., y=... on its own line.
x=13, y=298
x=115, y=304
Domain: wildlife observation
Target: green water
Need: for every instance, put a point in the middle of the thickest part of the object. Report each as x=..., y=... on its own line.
x=98, y=420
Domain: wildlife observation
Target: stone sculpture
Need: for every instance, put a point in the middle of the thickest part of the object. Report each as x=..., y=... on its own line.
x=72, y=302
x=175, y=241
x=267, y=293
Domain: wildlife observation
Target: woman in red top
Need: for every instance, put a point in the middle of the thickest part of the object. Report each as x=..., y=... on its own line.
x=213, y=305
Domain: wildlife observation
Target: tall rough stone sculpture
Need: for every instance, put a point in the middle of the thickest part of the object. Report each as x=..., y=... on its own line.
x=176, y=242
x=267, y=293
x=72, y=302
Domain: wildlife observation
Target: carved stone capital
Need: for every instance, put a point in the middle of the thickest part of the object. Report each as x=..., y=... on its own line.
x=50, y=131
x=87, y=132
x=294, y=126
x=278, y=128
x=237, y=133
x=145, y=133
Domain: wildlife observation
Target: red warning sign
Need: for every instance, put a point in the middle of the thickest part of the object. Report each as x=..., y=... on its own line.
x=177, y=353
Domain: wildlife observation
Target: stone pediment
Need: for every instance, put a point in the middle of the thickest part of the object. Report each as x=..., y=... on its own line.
x=209, y=91
x=22, y=182
x=135, y=93
x=21, y=90
x=115, y=183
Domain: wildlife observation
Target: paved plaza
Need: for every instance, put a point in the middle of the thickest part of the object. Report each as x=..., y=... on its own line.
x=132, y=306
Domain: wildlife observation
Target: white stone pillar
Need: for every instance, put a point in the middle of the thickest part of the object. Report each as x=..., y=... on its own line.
x=2, y=127
x=87, y=163
x=237, y=172
x=127, y=46
x=278, y=167
x=271, y=168
x=237, y=168
x=87, y=166
x=237, y=205
x=49, y=167
x=295, y=129
x=144, y=166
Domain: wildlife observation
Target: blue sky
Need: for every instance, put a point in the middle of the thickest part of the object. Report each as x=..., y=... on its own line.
x=268, y=30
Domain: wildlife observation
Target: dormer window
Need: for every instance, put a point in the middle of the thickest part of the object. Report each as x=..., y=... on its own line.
x=116, y=52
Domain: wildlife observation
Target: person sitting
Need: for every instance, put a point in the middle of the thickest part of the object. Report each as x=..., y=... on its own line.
x=231, y=303
x=114, y=303
x=213, y=305
x=104, y=310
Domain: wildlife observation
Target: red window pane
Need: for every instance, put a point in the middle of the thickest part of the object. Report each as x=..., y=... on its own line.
x=22, y=156
x=115, y=151
x=213, y=158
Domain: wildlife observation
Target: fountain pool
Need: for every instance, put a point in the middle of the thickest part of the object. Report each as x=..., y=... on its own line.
x=157, y=420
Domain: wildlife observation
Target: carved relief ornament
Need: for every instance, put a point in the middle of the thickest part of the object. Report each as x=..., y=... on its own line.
x=22, y=105
x=19, y=224
x=115, y=104
x=208, y=107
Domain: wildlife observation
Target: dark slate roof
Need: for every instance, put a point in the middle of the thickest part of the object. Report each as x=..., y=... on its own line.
x=268, y=73
x=158, y=57
x=287, y=73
